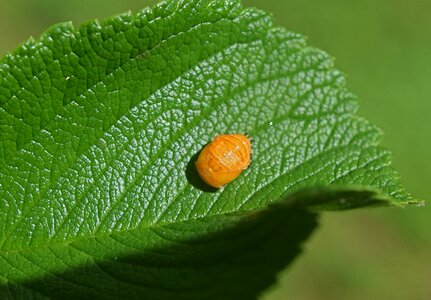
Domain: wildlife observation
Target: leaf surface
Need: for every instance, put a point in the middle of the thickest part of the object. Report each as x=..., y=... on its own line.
x=100, y=128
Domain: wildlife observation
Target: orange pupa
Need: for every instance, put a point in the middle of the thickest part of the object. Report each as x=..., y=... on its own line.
x=223, y=160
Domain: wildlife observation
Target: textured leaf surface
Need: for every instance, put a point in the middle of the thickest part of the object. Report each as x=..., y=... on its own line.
x=100, y=127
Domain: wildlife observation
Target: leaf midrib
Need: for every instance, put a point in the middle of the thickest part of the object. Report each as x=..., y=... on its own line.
x=162, y=224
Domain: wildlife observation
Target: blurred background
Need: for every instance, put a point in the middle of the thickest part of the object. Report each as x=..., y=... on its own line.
x=385, y=48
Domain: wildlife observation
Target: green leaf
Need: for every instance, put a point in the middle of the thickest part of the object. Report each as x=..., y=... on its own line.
x=100, y=128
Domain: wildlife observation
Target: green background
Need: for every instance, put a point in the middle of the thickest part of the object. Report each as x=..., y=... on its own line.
x=385, y=48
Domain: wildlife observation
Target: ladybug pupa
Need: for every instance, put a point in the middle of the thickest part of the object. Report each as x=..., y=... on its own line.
x=223, y=159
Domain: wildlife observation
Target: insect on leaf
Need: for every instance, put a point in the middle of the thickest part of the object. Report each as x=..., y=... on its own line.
x=101, y=125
